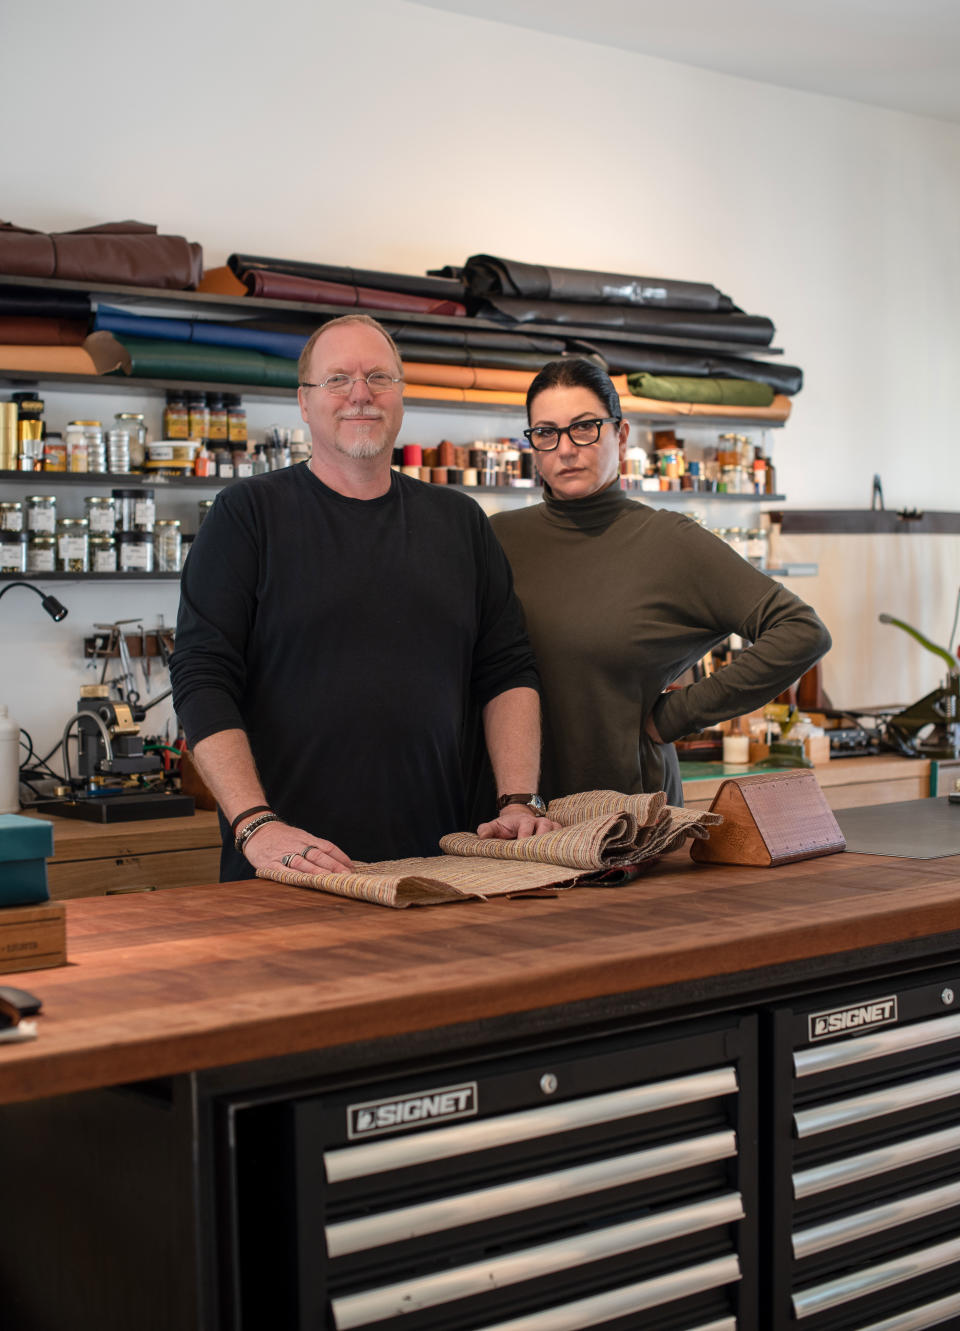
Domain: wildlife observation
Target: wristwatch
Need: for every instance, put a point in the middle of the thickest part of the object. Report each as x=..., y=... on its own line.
x=533, y=802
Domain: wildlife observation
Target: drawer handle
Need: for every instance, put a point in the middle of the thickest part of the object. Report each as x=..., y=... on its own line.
x=887, y=1100
x=827, y=1058
x=872, y=1279
x=854, y=1168
x=861, y=1224
x=919, y=1319
x=418, y=1292
x=122, y=891
x=350, y=1162
x=412, y=1222
x=633, y=1299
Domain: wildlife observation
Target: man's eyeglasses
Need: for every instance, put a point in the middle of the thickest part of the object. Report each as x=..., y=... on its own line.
x=378, y=381
x=544, y=438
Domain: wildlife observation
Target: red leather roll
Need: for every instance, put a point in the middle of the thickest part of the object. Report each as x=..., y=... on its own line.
x=281, y=286
x=34, y=331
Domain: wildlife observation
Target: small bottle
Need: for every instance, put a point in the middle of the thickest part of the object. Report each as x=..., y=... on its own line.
x=217, y=413
x=224, y=464
x=204, y=463
x=260, y=464
x=736, y=744
x=236, y=419
x=243, y=463
x=176, y=417
x=199, y=426
x=770, y=479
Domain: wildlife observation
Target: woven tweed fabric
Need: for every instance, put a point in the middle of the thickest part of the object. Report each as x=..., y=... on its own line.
x=427, y=881
x=596, y=843
x=569, y=809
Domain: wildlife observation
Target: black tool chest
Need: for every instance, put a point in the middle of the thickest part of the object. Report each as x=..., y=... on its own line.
x=862, y=1159
x=609, y=1183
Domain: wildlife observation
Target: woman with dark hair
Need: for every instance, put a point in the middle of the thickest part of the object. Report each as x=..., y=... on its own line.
x=621, y=599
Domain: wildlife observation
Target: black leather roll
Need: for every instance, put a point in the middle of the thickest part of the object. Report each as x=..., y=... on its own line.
x=627, y=358
x=26, y=302
x=488, y=358
x=441, y=288
x=485, y=275
x=750, y=329
x=475, y=338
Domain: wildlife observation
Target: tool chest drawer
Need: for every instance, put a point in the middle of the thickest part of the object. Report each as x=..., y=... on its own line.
x=862, y=1177
x=609, y=1184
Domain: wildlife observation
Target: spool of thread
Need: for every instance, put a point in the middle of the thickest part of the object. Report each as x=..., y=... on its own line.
x=438, y=475
x=424, y=473
x=9, y=763
x=411, y=471
x=447, y=456
x=431, y=457
x=470, y=476
x=412, y=455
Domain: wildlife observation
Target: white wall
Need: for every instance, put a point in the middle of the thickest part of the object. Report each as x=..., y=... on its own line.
x=387, y=135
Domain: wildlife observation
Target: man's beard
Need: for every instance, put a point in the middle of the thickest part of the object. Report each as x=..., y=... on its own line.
x=364, y=445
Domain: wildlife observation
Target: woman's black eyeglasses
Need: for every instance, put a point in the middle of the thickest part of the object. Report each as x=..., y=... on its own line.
x=544, y=438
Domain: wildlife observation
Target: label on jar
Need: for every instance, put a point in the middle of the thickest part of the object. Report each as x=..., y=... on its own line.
x=136, y=556
x=42, y=519
x=40, y=559
x=101, y=518
x=103, y=560
x=11, y=519
x=144, y=513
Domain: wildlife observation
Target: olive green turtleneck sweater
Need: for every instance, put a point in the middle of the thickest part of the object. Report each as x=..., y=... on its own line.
x=620, y=599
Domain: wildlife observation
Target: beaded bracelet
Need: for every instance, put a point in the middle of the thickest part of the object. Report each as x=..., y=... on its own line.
x=257, y=808
x=252, y=827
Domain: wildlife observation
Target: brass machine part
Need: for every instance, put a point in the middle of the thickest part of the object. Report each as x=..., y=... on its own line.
x=124, y=723
x=94, y=691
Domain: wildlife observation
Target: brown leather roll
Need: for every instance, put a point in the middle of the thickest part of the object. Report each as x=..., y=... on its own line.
x=35, y=331
x=130, y=253
x=282, y=286
x=468, y=376
x=46, y=360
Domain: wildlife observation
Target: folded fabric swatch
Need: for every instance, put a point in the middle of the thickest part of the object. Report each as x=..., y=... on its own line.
x=150, y=358
x=129, y=253
x=677, y=388
x=484, y=274
x=286, y=286
x=201, y=331
x=439, y=288
x=692, y=325
x=31, y=330
x=605, y=838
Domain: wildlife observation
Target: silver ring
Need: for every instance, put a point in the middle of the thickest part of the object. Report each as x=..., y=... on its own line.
x=285, y=859
x=303, y=853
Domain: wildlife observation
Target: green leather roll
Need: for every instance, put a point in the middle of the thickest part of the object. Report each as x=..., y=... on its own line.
x=675, y=388
x=153, y=358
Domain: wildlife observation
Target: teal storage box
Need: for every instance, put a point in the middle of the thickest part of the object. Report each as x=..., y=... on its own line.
x=25, y=844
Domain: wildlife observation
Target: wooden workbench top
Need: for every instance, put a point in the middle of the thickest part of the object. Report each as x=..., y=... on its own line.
x=210, y=976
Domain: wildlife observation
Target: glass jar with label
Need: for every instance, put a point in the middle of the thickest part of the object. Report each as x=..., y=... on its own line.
x=42, y=514
x=101, y=512
x=103, y=553
x=13, y=551
x=75, y=439
x=203, y=508
x=167, y=541
x=41, y=553
x=11, y=515
x=54, y=453
x=135, y=426
x=73, y=545
x=118, y=451
x=134, y=551
x=136, y=510
x=176, y=417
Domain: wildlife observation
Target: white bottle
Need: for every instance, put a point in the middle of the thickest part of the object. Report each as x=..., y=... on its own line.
x=9, y=763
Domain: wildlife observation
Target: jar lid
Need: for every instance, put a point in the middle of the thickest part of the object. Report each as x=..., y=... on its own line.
x=133, y=538
x=11, y=503
x=128, y=416
x=72, y=522
x=102, y=538
x=98, y=424
x=167, y=522
x=98, y=499
x=41, y=537
x=133, y=494
x=41, y=499
x=8, y=537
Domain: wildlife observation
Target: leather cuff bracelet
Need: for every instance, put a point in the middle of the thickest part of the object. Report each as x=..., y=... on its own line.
x=257, y=808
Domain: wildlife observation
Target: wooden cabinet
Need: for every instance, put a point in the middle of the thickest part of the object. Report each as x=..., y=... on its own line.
x=99, y=859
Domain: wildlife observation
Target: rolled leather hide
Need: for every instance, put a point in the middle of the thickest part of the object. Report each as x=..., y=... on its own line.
x=678, y=388
x=201, y=331
x=30, y=330
x=628, y=358
x=126, y=253
x=26, y=302
x=285, y=286
x=439, y=288
x=487, y=275
x=694, y=325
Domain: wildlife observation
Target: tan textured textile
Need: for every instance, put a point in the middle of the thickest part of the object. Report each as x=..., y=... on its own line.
x=600, y=830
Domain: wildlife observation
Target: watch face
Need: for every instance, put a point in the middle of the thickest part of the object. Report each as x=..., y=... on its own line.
x=538, y=806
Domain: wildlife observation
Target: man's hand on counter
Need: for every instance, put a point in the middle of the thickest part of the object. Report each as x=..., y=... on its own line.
x=279, y=846
x=515, y=821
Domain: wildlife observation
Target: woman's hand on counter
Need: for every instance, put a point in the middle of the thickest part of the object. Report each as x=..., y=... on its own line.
x=280, y=846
